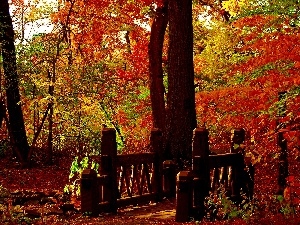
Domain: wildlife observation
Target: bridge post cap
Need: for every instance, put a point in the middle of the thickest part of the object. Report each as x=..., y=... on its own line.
x=155, y=130
x=184, y=176
x=168, y=164
x=200, y=130
x=238, y=130
x=87, y=173
x=108, y=130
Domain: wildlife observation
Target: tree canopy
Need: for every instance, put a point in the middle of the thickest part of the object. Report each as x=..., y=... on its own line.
x=110, y=64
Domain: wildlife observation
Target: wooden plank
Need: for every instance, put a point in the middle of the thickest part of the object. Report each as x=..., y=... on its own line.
x=216, y=179
x=133, y=159
x=136, y=200
x=146, y=171
x=127, y=181
x=224, y=177
x=224, y=160
x=142, y=178
x=136, y=178
x=122, y=180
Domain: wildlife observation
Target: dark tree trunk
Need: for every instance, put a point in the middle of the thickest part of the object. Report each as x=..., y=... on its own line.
x=50, y=118
x=157, y=88
x=16, y=121
x=181, y=113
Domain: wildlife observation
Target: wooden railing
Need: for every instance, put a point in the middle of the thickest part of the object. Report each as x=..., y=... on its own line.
x=127, y=179
x=139, y=178
x=209, y=172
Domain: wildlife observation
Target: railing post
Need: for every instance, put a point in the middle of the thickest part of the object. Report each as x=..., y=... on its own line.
x=169, y=178
x=237, y=170
x=238, y=138
x=215, y=179
x=156, y=147
x=224, y=180
x=200, y=168
x=108, y=167
x=283, y=163
x=282, y=144
x=184, y=195
x=89, y=191
x=251, y=170
x=238, y=178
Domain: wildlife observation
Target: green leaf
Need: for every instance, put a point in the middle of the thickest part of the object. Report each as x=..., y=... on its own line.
x=245, y=206
x=95, y=166
x=74, y=166
x=280, y=198
x=233, y=214
x=67, y=189
x=71, y=175
x=84, y=162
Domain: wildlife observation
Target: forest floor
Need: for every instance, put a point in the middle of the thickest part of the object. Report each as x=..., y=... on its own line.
x=49, y=181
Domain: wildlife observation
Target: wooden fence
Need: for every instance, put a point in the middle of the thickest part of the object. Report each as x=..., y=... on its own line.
x=127, y=179
x=208, y=172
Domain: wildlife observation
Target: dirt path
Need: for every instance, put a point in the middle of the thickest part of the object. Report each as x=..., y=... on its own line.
x=153, y=213
x=46, y=179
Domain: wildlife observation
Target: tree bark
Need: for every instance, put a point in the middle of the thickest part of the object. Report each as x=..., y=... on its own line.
x=181, y=113
x=155, y=51
x=50, y=118
x=16, y=121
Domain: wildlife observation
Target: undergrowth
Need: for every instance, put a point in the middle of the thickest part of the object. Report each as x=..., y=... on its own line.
x=220, y=207
x=77, y=167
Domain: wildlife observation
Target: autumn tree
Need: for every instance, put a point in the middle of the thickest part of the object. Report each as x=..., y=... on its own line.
x=106, y=79
x=16, y=122
x=157, y=66
x=181, y=114
x=245, y=59
x=155, y=52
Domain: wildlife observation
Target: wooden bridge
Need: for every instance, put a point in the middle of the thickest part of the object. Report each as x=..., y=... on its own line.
x=127, y=179
x=133, y=179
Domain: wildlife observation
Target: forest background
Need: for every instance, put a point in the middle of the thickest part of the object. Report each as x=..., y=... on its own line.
x=100, y=70
x=94, y=69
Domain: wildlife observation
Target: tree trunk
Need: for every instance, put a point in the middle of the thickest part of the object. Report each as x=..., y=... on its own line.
x=50, y=127
x=16, y=121
x=181, y=113
x=157, y=88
